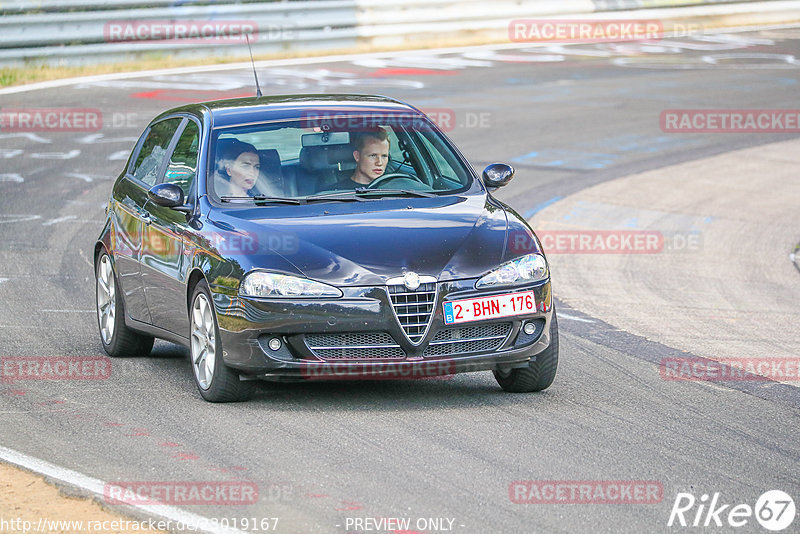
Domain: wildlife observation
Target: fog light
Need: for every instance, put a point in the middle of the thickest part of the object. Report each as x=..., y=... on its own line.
x=529, y=329
x=275, y=343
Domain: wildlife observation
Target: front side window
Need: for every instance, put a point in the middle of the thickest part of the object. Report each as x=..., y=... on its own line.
x=182, y=166
x=443, y=159
x=154, y=150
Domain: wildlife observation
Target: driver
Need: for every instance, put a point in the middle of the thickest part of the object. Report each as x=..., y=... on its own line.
x=372, y=155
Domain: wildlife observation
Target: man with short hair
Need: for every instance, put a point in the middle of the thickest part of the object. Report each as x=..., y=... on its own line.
x=372, y=155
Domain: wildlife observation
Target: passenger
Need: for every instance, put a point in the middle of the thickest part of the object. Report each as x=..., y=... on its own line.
x=372, y=155
x=238, y=170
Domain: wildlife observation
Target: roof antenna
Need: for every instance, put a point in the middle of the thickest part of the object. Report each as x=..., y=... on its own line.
x=258, y=88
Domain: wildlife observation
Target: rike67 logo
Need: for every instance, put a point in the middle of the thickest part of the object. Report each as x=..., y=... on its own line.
x=774, y=510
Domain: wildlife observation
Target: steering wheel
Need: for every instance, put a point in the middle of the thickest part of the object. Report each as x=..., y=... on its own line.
x=388, y=178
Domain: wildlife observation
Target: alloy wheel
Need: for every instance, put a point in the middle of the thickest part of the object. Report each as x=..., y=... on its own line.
x=203, y=341
x=106, y=299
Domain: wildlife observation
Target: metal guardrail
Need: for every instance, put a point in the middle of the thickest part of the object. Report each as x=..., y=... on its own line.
x=78, y=31
x=87, y=27
x=618, y=5
x=56, y=6
x=83, y=37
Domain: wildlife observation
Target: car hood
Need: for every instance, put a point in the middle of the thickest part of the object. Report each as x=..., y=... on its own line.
x=366, y=243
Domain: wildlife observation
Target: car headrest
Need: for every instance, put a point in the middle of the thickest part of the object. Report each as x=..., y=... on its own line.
x=342, y=157
x=221, y=148
x=325, y=158
x=270, y=162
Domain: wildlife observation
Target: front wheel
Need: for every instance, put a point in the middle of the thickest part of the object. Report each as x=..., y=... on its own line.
x=118, y=340
x=539, y=374
x=216, y=381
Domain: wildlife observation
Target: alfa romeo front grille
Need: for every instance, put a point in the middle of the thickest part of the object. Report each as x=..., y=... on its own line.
x=355, y=346
x=466, y=339
x=413, y=308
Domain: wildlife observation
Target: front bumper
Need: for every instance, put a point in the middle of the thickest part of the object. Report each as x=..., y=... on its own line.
x=248, y=324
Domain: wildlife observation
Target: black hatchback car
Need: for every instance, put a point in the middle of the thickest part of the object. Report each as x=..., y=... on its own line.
x=320, y=237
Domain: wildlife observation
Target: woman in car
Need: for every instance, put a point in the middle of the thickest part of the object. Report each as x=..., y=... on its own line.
x=238, y=169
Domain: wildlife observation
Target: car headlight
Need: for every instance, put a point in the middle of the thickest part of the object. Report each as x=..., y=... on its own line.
x=264, y=284
x=530, y=268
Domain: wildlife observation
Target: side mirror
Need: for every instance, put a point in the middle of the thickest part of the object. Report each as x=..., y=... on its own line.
x=168, y=196
x=497, y=174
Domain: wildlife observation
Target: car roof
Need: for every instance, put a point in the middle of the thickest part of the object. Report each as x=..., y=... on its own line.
x=250, y=110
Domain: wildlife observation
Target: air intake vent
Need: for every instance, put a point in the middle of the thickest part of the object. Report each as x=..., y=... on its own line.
x=355, y=346
x=467, y=339
x=413, y=307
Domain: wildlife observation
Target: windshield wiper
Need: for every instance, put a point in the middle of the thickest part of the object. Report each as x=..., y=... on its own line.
x=354, y=195
x=348, y=196
x=261, y=198
x=413, y=192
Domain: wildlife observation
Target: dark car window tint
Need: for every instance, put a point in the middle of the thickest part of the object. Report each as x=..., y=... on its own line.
x=183, y=161
x=154, y=150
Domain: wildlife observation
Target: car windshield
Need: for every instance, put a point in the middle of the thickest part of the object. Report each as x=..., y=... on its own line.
x=341, y=157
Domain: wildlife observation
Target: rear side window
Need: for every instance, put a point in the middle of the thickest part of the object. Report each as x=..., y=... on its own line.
x=154, y=150
x=183, y=161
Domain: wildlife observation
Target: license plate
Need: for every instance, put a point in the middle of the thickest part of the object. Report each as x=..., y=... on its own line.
x=479, y=309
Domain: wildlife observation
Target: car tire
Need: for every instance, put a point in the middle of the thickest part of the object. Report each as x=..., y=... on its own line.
x=215, y=381
x=539, y=374
x=118, y=340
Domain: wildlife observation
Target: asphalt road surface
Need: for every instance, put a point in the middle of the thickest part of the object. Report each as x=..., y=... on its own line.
x=444, y=454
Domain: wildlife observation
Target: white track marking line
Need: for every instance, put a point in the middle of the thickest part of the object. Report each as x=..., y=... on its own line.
x=68, y=311
x=100, y=138
x=119, y=155
x=89, y=139
x=716, y=387
x=18, y=218
x=562, y=315
x=79, y=176
x=26, y=135
x=86, y=177
x=82, y=254
x=95, y=486
x=57, y=155
x=60, y=219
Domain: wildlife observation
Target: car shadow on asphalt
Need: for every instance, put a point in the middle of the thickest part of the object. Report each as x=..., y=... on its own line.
x=448, y=391
x=452, y=391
